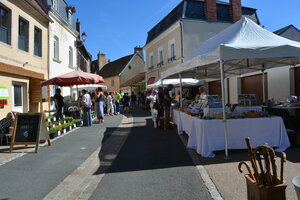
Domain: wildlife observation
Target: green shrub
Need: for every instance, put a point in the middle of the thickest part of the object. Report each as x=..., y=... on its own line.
x=49, y=123
x=53, y=130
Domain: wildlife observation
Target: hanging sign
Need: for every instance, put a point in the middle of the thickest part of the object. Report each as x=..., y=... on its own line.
x=4, y=92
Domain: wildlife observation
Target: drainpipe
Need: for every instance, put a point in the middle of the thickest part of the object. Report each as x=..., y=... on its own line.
x=181, y=39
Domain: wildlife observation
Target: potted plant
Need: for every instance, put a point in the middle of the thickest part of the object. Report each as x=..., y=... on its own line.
x=49, y=124
x=68, y=119
x=72, y=124
x=59, y=129
x=67, y=126
x=62, y=121
x=78, y=122
x=53, y=133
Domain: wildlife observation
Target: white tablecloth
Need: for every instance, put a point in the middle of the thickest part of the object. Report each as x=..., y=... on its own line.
x=183, y=121
x=208, y=135
x=177, y=120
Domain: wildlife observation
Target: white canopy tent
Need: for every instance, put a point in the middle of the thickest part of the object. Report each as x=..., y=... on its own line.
x=241, y=48
x=92, y=86
x=176, y=82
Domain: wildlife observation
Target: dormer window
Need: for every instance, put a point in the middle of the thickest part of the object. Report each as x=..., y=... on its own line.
x=55, y=4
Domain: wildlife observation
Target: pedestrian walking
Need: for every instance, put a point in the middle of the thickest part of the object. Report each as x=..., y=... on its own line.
x=118, y=97
x=59, y=103
x=110, y=105
x=167, y=106
x=86, y=105
x=159, y=107
x=126, y=100
x=133, y=100
x=99, y=103
x=152, y=99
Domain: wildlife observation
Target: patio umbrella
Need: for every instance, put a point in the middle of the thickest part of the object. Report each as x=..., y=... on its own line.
x=74, y=78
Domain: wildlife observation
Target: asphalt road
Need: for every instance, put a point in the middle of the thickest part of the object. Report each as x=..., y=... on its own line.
x=151, y=165
x=34, y=175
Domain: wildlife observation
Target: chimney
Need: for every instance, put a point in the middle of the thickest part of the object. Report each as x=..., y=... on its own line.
x=101, y=60
x=211, y=10
x=139, y=50
x=78, y=27
x=236, y=10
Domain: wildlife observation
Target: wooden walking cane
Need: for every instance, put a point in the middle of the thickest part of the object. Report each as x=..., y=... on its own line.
x=253, y=162
x=283, y=159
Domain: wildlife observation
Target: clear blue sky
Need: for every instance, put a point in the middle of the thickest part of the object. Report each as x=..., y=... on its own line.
x=116, y=27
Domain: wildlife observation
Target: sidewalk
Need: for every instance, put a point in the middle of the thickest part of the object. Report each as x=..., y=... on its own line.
x=231, y=183
x=33, y=176
x=152, y=164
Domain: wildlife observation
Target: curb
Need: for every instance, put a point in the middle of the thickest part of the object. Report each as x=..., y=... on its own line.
x=203, y=175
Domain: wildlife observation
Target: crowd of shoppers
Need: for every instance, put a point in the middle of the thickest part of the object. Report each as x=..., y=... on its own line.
x=113, y=103
x=160, y=106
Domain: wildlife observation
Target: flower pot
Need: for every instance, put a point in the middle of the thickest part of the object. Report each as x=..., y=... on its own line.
x=53, y=135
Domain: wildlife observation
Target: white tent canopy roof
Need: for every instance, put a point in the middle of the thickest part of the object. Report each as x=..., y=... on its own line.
x=245, y=47
x=176, y=82
x=91, y=87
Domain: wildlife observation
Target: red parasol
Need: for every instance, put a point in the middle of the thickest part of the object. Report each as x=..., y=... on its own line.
x=74, y=78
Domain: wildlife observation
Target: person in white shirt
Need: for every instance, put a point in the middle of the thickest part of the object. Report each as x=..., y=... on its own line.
x=86, y=103
x=110, y=105
x=152, y=98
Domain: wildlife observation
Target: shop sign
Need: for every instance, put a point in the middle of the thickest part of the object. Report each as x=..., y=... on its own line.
x=4, y=92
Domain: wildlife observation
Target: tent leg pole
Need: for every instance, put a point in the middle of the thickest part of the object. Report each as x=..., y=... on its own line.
x=77, y=95
x=263, y=84
x=180, y=90
x=223, y=107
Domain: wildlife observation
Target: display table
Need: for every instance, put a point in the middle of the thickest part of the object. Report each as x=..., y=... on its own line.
x=206, y=136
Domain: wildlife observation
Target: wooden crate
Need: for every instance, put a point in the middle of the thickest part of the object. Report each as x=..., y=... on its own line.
x=255, y=192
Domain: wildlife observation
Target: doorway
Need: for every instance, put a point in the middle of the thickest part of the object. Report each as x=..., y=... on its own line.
x=254, y=85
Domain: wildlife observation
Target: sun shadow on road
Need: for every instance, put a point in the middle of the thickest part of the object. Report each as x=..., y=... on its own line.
x=145, y=148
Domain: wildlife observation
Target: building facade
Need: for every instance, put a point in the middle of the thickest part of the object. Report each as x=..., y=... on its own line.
x=62, y=42
x=119, y=73
x=23, y=54
x=176, y=37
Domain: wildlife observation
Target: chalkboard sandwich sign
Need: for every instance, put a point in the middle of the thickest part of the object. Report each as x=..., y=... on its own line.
x=30, y=128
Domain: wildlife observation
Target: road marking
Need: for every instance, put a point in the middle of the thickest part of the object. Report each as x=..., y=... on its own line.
x=83, y=181
x=203, y=175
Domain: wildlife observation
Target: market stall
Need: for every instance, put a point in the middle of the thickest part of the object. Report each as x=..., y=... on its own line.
x=241, y=48
x=207, y=135
x=176, y=82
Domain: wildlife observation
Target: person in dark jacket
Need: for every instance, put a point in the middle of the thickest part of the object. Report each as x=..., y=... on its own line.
x=59, y=102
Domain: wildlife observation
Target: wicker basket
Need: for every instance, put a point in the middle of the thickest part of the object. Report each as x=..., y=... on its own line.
x=252, y=114
x=220, y=116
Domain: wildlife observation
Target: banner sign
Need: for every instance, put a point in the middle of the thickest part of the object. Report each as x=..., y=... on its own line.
x=4, y=92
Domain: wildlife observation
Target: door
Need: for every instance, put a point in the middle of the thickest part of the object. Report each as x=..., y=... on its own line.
x=214, y=88
x=254, y=85
x=18, y=97
x=297, y=81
